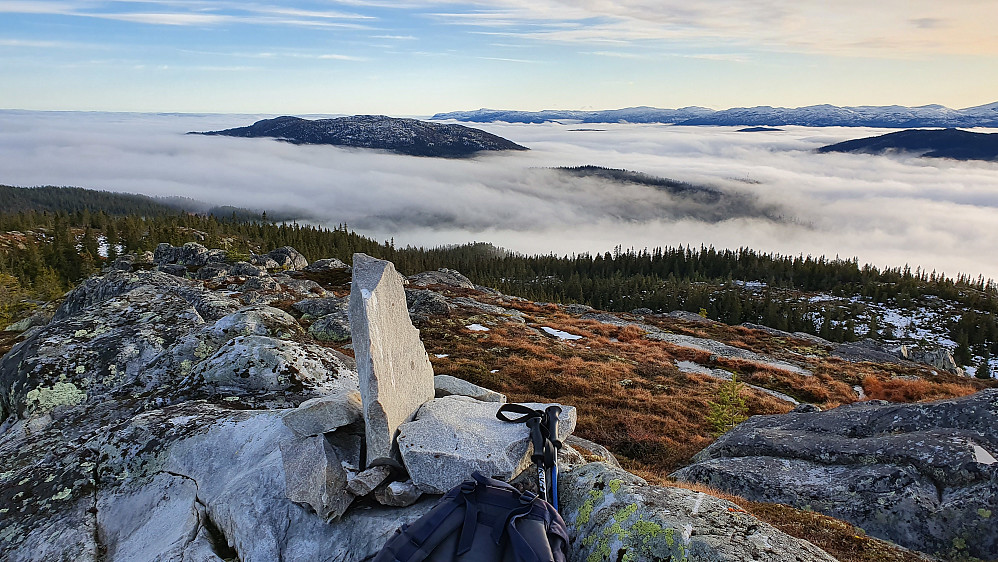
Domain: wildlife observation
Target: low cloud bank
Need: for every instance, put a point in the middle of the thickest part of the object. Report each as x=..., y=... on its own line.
x=782, y=197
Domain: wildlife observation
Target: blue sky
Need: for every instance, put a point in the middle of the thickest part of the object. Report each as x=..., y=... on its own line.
x=423, y=56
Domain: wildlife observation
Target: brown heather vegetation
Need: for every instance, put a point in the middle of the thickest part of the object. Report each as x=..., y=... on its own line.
x=632, y=399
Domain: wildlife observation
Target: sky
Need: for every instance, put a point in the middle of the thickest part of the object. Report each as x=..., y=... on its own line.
x=780, y=195
x=418, y=57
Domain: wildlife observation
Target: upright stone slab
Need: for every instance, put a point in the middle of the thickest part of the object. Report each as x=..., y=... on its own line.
x=396, y=377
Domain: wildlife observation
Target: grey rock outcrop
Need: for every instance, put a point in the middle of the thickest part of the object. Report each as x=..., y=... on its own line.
x=212, y=272
x=865, y=350
x=334, y=327
x=615, y=515
x=250, y=364
x=246, y=269
x=446, y=385
x=396, y=377
x=398, y=494
x=190, y=254
x=319, y=307
x=921, y=475
x=285, y=257
x=326, y=264
x=326, y=414
x=109, y=454
x=366, y=481
x=442, y=276
x=314, y=476
x=453, y=436
x=938, y=357
x=423, y=303
x=256, y=320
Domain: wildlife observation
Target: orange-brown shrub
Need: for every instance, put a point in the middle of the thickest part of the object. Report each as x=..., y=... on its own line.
x=919, y=390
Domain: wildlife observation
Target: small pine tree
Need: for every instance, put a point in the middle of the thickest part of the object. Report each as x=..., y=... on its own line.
x=984, y=367
x=11, y=297
x=730, y=409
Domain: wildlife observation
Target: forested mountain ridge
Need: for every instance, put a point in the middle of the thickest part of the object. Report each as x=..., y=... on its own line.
x=936, y=143
x=404, y=136
x=44, y=252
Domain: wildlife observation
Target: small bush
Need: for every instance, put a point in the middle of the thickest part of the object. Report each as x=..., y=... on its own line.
x=730, y=408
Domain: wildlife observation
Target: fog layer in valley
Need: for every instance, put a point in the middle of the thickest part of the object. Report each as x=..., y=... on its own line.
x=937, y=214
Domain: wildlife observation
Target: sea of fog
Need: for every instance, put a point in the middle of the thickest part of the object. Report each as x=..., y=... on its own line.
x=897, y=210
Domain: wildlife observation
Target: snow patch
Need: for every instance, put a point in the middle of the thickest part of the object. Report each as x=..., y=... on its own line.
x=983, y=456
x=560, y=334
x=691, y=367
x=477, y=328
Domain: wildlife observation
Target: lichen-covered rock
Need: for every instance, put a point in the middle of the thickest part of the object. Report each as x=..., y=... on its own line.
x=250, y=364
x=102, y=351
x=442, y=276
x=246, y=269
x=938, y=357
x=287, y=257
x=614, y=515
x=865, y=350
x=318, y=307
x=262, y=283
x=256, y=320
x=921, y=475
x=212, y=272
x=334, y=327
x=326, y=264
x=423, y=302
x=190, y=254
x=301, y=287
x=454, y=436
x=95, y=290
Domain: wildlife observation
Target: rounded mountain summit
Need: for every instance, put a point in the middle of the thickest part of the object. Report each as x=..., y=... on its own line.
x=403, y=136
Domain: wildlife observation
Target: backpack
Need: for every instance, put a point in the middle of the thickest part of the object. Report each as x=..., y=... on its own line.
x=482, y=520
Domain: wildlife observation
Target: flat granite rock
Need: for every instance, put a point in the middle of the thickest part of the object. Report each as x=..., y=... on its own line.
x=922, y=475
x=614, y=515
x=396, y=377
x=446, y=385
x=454, y=436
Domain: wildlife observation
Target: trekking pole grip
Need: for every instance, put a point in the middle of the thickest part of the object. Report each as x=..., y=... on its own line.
x=551, y=421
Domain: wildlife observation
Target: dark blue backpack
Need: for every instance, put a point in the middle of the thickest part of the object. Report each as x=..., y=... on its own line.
x=482, y=520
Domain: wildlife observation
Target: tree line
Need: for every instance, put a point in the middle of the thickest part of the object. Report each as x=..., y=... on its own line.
x=72, y=236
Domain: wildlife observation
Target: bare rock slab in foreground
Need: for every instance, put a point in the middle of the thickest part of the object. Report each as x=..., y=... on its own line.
x=922, y=475
x=396, y=377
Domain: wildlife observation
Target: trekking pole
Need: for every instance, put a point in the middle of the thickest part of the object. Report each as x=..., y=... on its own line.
x=551, y=421
x=537, y=437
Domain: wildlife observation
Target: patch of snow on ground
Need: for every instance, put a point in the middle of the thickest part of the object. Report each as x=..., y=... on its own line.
x=691, y=367
x=477, y=328
x=559, y=334
x=440, y=355
x=983, y=456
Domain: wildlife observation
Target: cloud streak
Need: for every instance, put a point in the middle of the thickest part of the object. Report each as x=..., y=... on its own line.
x=936, y=214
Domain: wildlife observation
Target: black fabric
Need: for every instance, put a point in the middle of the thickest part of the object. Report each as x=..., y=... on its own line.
x=482, y=520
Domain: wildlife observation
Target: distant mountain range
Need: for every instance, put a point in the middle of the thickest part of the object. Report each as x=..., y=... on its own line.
x=890, y=116
x=939, y=143
x=404, y=136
